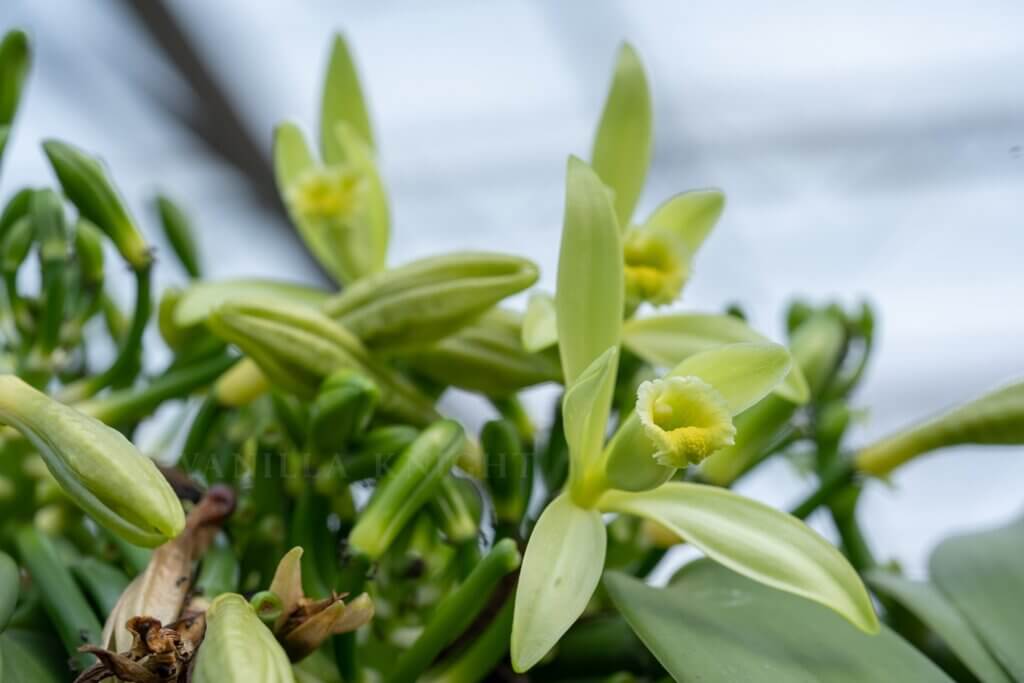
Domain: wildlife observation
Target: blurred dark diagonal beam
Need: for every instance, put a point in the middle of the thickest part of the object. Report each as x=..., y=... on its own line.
x=214, y=118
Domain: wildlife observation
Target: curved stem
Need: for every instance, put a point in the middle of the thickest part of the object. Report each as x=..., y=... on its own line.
x=833, y=480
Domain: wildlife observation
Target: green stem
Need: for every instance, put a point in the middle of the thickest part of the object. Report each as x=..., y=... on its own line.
x=128, y=405
x=480, y=658
x=457, y=611
x=125, y=363
x=192, y=451
x=833, y=480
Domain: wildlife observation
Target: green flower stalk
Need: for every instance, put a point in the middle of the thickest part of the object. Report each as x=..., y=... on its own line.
x=238, y=647
x=95, y=465
x=686, y=418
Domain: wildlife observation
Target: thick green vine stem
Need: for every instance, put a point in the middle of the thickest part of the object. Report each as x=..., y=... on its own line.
x=833, y=480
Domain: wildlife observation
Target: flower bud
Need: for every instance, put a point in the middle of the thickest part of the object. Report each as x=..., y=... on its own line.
x=686, y=418
x=655, y=269
x=14, y=62
x=297, y=348
x=178, y=232
x=411, y=306
x=457, y=509
x=86, y=184
x=342, y=410
x=238, y=647
x=487, y=356
x=506, y=469
x=412, y=481
x=89, y=253
x=95, y=465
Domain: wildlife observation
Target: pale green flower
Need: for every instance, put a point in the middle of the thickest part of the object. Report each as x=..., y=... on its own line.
x=686, y=418
x=327, y=193
x=654, y=268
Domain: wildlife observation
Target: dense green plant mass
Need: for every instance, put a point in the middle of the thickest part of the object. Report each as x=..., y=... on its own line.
x=325, y=520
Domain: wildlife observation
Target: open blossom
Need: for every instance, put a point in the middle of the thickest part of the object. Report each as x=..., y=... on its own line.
x=654, y=268
x=325, y=193
x=686, y=418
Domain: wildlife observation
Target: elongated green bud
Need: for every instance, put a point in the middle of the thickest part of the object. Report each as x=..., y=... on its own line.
x=89, y=253
x=457, y=509
x=817, y=347
x=95, y=465
x=17, y=207
x=51, y=231
x=238, y=647
x=342, y=410
x=16, y=245
x=506, y=470
x=178, y=231
x=86, y=184
x=487, y=356
x=14, y=64
x=414, y=479
x=297, y=348
x=413, y=305
x=996, y=418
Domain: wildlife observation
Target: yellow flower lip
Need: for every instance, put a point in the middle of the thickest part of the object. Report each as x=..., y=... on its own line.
x=686, y=418
x=654, y=269
x=326, y=192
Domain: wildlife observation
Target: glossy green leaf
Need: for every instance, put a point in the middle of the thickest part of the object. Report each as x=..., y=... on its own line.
x=929, y=605
x=561, y=568
x=342, y=102
x=690, y=216
x=585, y=408
x=996, y=418
x=589, y=299
x=622, y=146
x=714, y=626
x=667, y=340
x=540, y=324
x=756, y=540
x=982, y=574
x=202, y=298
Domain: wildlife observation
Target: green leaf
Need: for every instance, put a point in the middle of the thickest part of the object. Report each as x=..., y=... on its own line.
x=561, y=569
x=756, y=540
x=589, y=300
x=202, y=298
x=715, y=626
x=982, y=574
x=667, y=340
x=15, y=56
x=929, y=605
x=689, y=216
x=342, y=102
x=622, y=146
x=585, y=408
x=30, y=656
x=540, y=324
x=996, y=418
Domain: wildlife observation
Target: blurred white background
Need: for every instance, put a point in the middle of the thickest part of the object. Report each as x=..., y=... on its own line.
x=874, y=153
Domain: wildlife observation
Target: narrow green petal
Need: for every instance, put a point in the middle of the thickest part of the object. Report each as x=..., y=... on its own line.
x=742, y=373
x=689, y=216
x=342, y=101
x=359, y=153
x=585, y=409
x=561, y=568
x=755, y=540
x=588, y=302
x=622, y=146
x=667, y=340
x=540, y=323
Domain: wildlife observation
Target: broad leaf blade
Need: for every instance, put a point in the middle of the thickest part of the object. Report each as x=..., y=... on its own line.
x=622, y=146
x=342, y=101
x=929, y=605
x=589, y=300
x=667, y=340
x=983, y=576
x=715, y=626
x=755, y=540
x=561, y=568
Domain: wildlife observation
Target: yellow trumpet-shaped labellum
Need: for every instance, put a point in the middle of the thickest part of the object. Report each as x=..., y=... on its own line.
x=655, y=271
x=326, y=193
x=686, y=418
